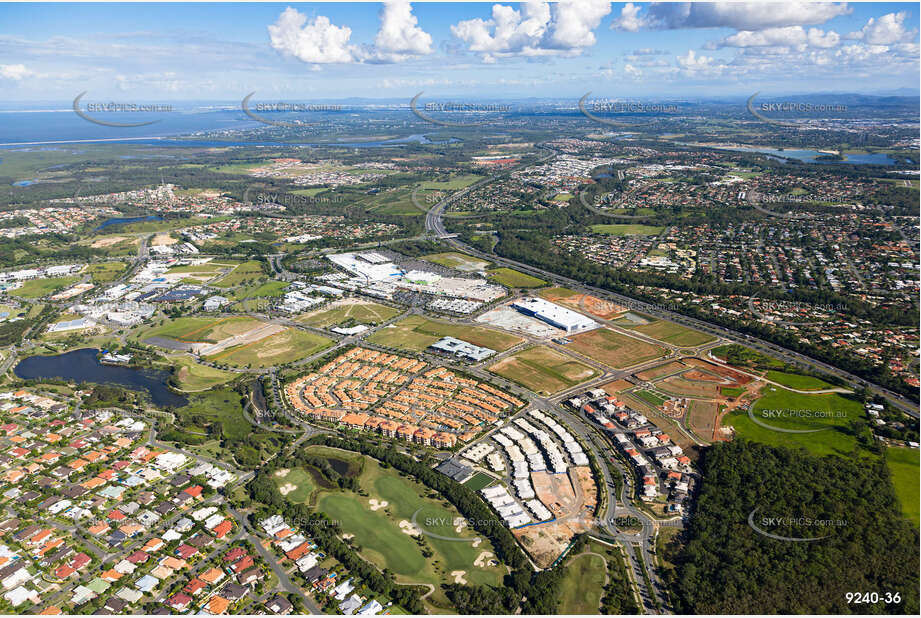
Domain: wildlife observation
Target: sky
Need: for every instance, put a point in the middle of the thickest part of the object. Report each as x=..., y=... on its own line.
x=143, y=52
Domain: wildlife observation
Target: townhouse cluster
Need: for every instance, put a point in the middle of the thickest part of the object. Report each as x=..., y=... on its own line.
x=528, y=449
x=298, y=548
x=50, y=220
x=397, y=397
x=303, y=229
x=660, y=464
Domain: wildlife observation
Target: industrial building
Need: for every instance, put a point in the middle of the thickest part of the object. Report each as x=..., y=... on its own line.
x=462, y=349
x=560, y=317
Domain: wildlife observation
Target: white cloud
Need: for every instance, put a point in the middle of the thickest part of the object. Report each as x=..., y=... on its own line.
x=321, y=42
x=14, y=71
x=632, y=72
x=693, y=65
x=538, y=29
x=400, y=36
x=739, y=15
x=318, y=41
x=886, y=30
x=790, y=36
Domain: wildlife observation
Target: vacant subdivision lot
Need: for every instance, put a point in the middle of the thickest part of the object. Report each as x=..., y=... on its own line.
x=675, y=334
x=247, y=272
x=192, y=376
x=202, y=330
x=614, y=349
x=36, y=288
x=356, y=310
x=903, y=464
x=626, y=229
x=458, y=261
x=514, y=279
x=701, y=419
x=543, y=370
x=285, y=346
x=416, y=333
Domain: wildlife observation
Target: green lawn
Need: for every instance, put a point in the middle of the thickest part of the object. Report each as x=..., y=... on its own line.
x=904, y=465
x=670, y=332
x=104, y=272
x=301, y=481
x=478, y=481
x=649, y=397
x=731, y=391
x=799, y=382
x=210, y=330
x=459, y=261
x=269, y=288
x=246, y=272
x=194, y=377
x=37, y=288
x=217, y=406
x=627, y=229
x=458, y=182
x=800, y=411
x=281, y=348
x=583, y=585
x=416, y=333
x=514, y=279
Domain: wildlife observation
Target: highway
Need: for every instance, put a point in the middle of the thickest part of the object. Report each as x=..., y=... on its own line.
x=434, y=225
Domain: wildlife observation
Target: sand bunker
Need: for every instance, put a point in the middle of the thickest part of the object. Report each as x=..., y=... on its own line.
x=459, y=577
x=459, y=524
x=282, y=473
x=375, y=504
x=482, y=559
x=346, y=537
x=287, y=488
x=476, y=542
x=409, y=528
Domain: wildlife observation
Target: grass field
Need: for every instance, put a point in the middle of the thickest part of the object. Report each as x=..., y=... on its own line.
x=800, y=411
x=702, y=418
x=269, y=287
x=194, y=377
x=583, y=585
x=613, y=349
x=513, y=279
x=478, y=481
x=904, y=465
x=361, y=311
x=416, y=333
x=210, y=330
x=552, y=293
x=626, y=229
x=458, y=261
x=543, y=370
x=675, y=334
x=799, y=382
x=218, y=406
x=678, y=385
x=649, y=397
x=36, y=288
x=246, y=272
x=731, y=391
x=104, y=272
x=458, y=182
x=284, y=347
x=300, y=480
x=384, y=542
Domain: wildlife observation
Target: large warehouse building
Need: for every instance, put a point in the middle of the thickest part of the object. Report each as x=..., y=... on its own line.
x=560, y=317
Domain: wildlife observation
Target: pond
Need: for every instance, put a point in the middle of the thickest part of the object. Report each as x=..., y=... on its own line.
x=83, y=366
x=123, y=220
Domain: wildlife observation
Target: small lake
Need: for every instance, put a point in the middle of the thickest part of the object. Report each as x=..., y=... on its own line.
x=122, y=220
x=84, y=366
x=23, y=183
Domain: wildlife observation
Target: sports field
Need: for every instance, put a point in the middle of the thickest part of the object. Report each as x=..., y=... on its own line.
x=416, y=333
x=478, y=481
x=381, y=524
x=210, y=330
x=288, y=345
x=349, y=309
x=675, y=334
x=583, y=585
x=513, y=279
x=458, y=261
x=784, y=409
x=904, y=464
x=613, y=349
x=626, y=229
x=543, y=370
x=36, y=288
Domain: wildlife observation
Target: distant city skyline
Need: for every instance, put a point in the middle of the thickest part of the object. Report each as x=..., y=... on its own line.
x=221, y=52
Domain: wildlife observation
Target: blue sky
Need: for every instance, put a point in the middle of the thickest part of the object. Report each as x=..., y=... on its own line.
x=306, y=51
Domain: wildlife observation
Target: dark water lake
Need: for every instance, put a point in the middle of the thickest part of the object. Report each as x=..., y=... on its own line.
x=84, y=366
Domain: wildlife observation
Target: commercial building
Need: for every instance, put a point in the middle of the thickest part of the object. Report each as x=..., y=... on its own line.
x=560, y=317
x=462, y=349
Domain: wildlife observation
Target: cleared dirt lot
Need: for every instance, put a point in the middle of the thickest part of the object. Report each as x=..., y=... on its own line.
x=614, y=349
x=543, y=370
